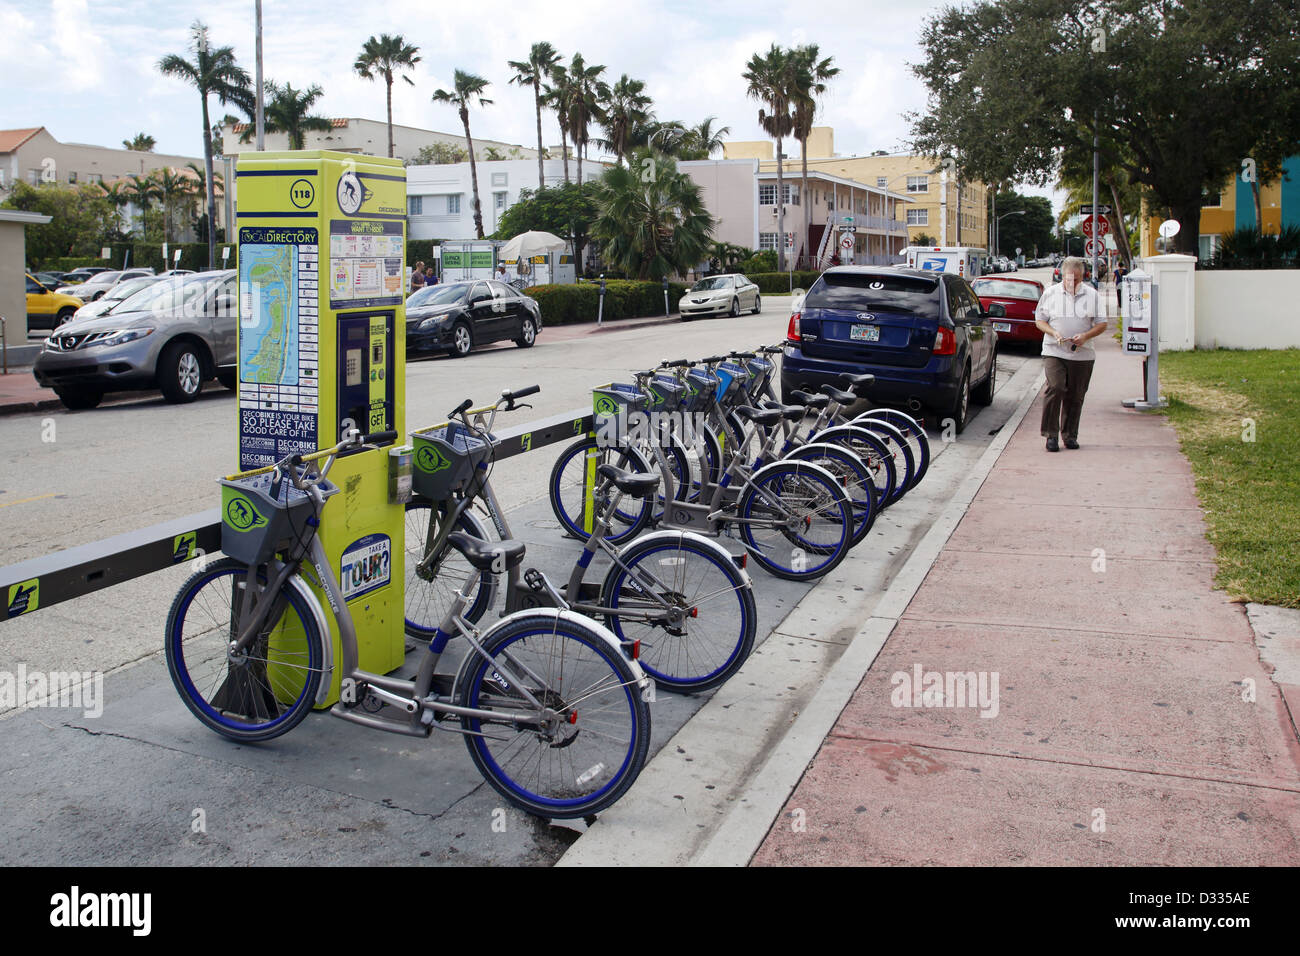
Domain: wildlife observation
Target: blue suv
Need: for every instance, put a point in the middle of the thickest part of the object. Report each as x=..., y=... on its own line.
x=923, y=335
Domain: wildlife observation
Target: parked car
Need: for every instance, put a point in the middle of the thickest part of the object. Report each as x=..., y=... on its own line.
x=51, y=280
x=172, y=335
x=82, y=273
x=1018, y=298
x=97, y=285
x=456, y=316
x=1087, y=270
x=115, y=296
x=923, y=335
x=720, y=295
x=47, y=309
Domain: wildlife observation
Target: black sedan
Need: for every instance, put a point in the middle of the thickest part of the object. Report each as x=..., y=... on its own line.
x=457, y=316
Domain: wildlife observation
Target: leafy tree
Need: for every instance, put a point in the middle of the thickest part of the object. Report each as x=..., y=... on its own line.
x=542, y=58
x=1032, y=231
x=467, y=87
x=211, y=72
x=438, y=154
x=770, y=79
x=566, y=211
x=141, y=143
x=81, y=218
x=653, y=225
x=385, y=57
x=811, y=72
x=1179, y=93
x=925, y=239
x=625, y=108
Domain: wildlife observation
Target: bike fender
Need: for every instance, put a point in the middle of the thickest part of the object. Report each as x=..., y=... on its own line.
x=674, y=536
x=322, y=624
x=818, y=449
x=605, y=634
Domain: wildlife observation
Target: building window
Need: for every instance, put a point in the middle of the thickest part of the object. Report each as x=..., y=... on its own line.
x=72, y=179
x=33, y=176
x=767, y=240
x=918, y=184
x=2, y=179
x=500, y=200
x=1211, y=200
x=96, y=178
x=499, y=179
x=791, y=195
x=882, y=182
x=453, y=205
x=415, y=205
x=918, y=217
x=767, y=195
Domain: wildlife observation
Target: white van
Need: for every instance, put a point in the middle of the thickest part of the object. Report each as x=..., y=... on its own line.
x=965, y=261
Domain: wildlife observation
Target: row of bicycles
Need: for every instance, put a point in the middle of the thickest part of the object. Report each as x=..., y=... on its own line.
x=552, y=698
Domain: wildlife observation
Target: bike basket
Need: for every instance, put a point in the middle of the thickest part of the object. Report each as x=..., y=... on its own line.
x=609, y=402
x=445, y=459
x=701, y=385
x=254, y=526
x=760, y=373
x=665, y=394
x=731, y=379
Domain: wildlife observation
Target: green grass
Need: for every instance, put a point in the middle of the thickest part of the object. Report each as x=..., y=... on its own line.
x=1250, y=490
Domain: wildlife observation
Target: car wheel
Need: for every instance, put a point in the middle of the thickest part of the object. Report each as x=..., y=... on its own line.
x=758, y=305
x=180, y=372
x=77, y=399
x=527, y=335
x=228, y=379
x=462, y=340
x=984, y=394
x=961, y=405
x=735, y=308
x=65, y=315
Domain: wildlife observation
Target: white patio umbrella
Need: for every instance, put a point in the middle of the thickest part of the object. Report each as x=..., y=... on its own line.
x=529, y=244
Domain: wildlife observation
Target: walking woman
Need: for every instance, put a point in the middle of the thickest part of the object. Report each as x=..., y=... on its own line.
x=1069, y=315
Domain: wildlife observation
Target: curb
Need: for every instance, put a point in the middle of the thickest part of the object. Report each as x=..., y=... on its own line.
x=735, y=842
x=621, y=324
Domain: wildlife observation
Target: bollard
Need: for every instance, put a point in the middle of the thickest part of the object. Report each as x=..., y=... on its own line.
x=600, y=306
x=666, y=312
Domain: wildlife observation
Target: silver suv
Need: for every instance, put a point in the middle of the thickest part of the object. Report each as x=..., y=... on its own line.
x=173, y=335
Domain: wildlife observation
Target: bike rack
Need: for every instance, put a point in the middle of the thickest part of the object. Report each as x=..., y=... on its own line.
x=42, y=582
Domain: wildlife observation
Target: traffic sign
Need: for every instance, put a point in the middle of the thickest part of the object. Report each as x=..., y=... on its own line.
x=846, y=241
x=1093, y=247
x=1095, y=226
x=1086, y=209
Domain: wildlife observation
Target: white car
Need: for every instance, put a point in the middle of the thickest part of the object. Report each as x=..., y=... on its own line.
x=114, y=295
x=720, y=295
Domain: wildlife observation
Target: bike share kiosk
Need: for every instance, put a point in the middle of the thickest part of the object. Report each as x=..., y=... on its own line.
x=322, y=345
x=1142, y=336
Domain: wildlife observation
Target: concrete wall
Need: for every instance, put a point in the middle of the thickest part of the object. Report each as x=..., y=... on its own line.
x=13, y=286
x=1248, y=309
x=729, y=190
x=433, y=184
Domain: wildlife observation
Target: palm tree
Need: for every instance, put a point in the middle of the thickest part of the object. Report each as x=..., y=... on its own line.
x=703, y=141
x=171, y=186
x=626, y=108
x=651, y=229
x=810, y=75
x=198, y=186
x=542, y=58
x=142, y=191
x=286, y=111
x=556, y=96
x=769, y=77
x=117, y=197
x=210, y=72
x=587, y=91
x=140, y=143
x=384, y=57
x=466, y=87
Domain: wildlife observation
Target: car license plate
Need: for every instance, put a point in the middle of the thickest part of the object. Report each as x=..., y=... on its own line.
x=864, y=333
x=1001, y=326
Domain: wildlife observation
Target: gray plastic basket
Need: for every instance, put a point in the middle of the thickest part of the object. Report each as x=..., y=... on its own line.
x=255, y=526
x=613, y=401
x=445, y=458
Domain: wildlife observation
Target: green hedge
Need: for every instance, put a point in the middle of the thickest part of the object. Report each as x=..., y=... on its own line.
x=624, y=299
x=68, y=263
x=778, y=283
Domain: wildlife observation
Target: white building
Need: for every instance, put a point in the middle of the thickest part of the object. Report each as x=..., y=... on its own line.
x=439, y=199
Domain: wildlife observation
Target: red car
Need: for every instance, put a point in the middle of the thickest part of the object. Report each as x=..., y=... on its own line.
x=1020, y=298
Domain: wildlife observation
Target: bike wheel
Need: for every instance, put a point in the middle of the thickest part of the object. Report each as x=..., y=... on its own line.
x=265, y=691
x=706, y=632
x=854, y=476
x=429, y=594
x=914, y=433
x=875, y=454
x=582, y=751
x=805, y=520
x=573, y=474
x=899, y=449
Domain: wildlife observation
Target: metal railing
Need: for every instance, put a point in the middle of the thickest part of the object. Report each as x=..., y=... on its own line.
x=42, y=582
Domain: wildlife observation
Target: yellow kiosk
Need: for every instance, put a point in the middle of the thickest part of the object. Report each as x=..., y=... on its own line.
x=322, y=346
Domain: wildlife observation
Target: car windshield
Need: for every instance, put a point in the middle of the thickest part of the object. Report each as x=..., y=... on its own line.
x=437, y=295
x=103, y=278
x=169, y=295
x=128, y=287
x=1005, y=289
x=882, y=291
x=712, y=282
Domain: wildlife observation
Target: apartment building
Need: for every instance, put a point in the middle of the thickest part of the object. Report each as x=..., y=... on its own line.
x=34, y=156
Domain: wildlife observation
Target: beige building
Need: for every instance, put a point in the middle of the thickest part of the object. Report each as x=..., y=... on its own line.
x=370, y=137
x=35, y=156
x=13, y=285
x=952, y=212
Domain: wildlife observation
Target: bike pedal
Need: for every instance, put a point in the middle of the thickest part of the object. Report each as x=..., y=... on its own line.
x=533, y=578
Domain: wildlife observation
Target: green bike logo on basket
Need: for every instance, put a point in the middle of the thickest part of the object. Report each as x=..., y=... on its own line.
x=241, y=515
x=605, y=405
x=431, y=459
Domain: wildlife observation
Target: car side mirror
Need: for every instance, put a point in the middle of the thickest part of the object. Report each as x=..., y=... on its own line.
x=997, y=311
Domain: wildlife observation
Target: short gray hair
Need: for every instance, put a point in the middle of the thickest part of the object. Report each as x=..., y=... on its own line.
x=1074, y=264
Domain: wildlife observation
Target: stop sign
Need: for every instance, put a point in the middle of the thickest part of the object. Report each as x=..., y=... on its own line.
x=1095, y=225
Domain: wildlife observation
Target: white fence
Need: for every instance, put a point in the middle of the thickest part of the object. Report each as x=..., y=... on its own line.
x=1226, y=309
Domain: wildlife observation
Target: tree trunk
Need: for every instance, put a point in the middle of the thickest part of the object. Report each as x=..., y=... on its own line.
x=389, y=78
x=1118, y=229
x=537, y=100
x=564, y=148
x=580, y=152
x=473, y=176
x=212, y=199
x=780, y=210
x=803, y=198
x=1188, y=214
x=1259, y=216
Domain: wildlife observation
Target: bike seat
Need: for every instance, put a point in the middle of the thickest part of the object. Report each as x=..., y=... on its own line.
x=858, y=381
x=764, y=416
x=808, y=400
x=636, y=484
x=793, y=413
x=505, y=555
x=839, y=395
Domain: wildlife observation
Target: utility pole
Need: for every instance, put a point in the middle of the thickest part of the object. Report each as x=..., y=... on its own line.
x=260, y=117
x=1096, y=176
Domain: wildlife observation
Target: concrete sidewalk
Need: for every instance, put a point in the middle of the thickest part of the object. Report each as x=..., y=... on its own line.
x=1131, y=722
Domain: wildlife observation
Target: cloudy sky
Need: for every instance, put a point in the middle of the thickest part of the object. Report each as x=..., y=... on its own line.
x=86, y=69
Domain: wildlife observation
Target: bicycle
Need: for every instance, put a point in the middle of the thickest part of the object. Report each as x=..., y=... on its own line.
x=550, y=706
x=678, y=598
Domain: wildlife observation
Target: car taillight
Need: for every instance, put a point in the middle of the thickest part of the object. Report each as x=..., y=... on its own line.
x=792, y=333
x=945, y=342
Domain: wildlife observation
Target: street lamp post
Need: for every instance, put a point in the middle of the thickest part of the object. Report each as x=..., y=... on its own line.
x=997, y=229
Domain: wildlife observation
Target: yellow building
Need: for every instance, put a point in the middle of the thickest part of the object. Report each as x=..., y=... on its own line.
x=954, y=213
